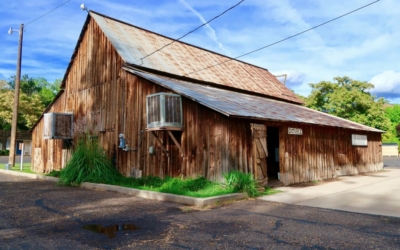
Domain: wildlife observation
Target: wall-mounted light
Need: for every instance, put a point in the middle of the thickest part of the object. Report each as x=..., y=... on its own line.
x=83, y=7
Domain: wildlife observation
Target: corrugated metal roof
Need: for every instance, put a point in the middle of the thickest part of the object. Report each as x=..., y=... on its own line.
x=234, y=104
x=133, y=43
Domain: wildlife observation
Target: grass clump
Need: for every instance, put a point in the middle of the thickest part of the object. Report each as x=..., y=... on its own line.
x=198, y=187
x=194, y=187
x=54, y=173
x=89, y=163
x=240, y=181
x=269, y=190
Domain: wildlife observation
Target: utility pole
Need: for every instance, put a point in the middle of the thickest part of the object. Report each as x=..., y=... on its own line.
x=14, y=122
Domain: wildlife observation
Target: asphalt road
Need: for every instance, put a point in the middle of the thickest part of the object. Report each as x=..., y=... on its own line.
x=4, y=160
x=40, y=215
x=391, y=162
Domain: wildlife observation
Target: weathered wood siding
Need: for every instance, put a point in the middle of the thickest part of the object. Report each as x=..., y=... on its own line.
x=47, y=154
x=91, y=94
x=212, y=144
x=107, y=101
x=325, y=152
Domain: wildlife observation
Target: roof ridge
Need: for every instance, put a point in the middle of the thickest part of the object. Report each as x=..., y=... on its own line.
x=179, y=41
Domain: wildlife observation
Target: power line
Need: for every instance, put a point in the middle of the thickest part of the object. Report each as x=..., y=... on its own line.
x=48, y=12
x=190, y=31
x=287, y=38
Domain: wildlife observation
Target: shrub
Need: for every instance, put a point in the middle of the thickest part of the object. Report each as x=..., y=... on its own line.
x=240, y=181
x=89, y=163
x=5, y=152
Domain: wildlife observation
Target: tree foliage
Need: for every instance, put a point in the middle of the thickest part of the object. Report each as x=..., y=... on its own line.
x=398, y=130
x=349, y=99
x=30, y=109
x=39, y=85
x=392, y=112
x=35, y=95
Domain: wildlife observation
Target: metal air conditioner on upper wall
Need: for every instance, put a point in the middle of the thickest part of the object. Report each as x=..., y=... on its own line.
x=164, y=111
x=58, y=126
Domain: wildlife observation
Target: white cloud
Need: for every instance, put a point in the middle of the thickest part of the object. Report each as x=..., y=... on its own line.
x=362, y=45
x=209, y=30
x=293, y=77
x=338, y=55
x=387, y=82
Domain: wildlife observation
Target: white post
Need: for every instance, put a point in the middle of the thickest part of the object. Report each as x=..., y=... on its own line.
x=22, y=155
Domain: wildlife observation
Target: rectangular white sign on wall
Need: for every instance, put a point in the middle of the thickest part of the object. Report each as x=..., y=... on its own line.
x=359, y=140
x=295, y=131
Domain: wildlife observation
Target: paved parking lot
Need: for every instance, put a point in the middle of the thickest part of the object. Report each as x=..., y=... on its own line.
x=372, y=193
x=391, y=162
x=41, y=215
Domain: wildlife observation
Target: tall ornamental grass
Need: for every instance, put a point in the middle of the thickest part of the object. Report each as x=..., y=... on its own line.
x=89, y=163
x=240, y=181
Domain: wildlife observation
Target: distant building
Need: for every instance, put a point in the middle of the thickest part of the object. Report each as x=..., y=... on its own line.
x=390, y=149
x=22, y=137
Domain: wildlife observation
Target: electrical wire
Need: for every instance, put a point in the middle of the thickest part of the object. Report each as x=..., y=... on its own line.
x=287, y=38
x=47, y=12
x=175, y=40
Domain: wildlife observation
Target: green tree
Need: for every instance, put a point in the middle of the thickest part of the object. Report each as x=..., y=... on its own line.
x=30, y=109
x=349, y=99
x=392, y=112
x=6, y=101
x=38, y=85
x=36, y=94
x=49, y=91
x=303, y=98
x=3, y=85
x=27, y=84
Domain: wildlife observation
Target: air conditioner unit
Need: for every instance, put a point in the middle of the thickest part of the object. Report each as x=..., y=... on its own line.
x=164, y=112
x=58, y=126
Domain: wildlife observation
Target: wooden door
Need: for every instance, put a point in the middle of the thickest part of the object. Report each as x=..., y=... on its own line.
x=260, y=151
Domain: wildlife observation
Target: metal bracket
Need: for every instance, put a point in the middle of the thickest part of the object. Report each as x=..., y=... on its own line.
x=164, y=149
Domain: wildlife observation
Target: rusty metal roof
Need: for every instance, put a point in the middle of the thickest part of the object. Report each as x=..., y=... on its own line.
x=133, y=43
x=242, y=105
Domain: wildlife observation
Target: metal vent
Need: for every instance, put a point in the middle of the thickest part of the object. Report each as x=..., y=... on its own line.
x=164, y=111
x=58, y=126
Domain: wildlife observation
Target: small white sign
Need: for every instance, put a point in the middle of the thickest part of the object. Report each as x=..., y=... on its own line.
x=295, y=131
x=359, y=140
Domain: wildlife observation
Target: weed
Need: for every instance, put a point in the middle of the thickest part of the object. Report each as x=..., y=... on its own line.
x=269, y=190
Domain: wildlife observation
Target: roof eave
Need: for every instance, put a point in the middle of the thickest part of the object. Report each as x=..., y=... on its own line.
x=78, y=43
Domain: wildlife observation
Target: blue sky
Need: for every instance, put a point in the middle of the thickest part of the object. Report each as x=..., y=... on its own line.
x=364, y=45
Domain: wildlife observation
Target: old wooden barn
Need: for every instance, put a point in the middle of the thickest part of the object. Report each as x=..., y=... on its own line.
x=172, y=114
